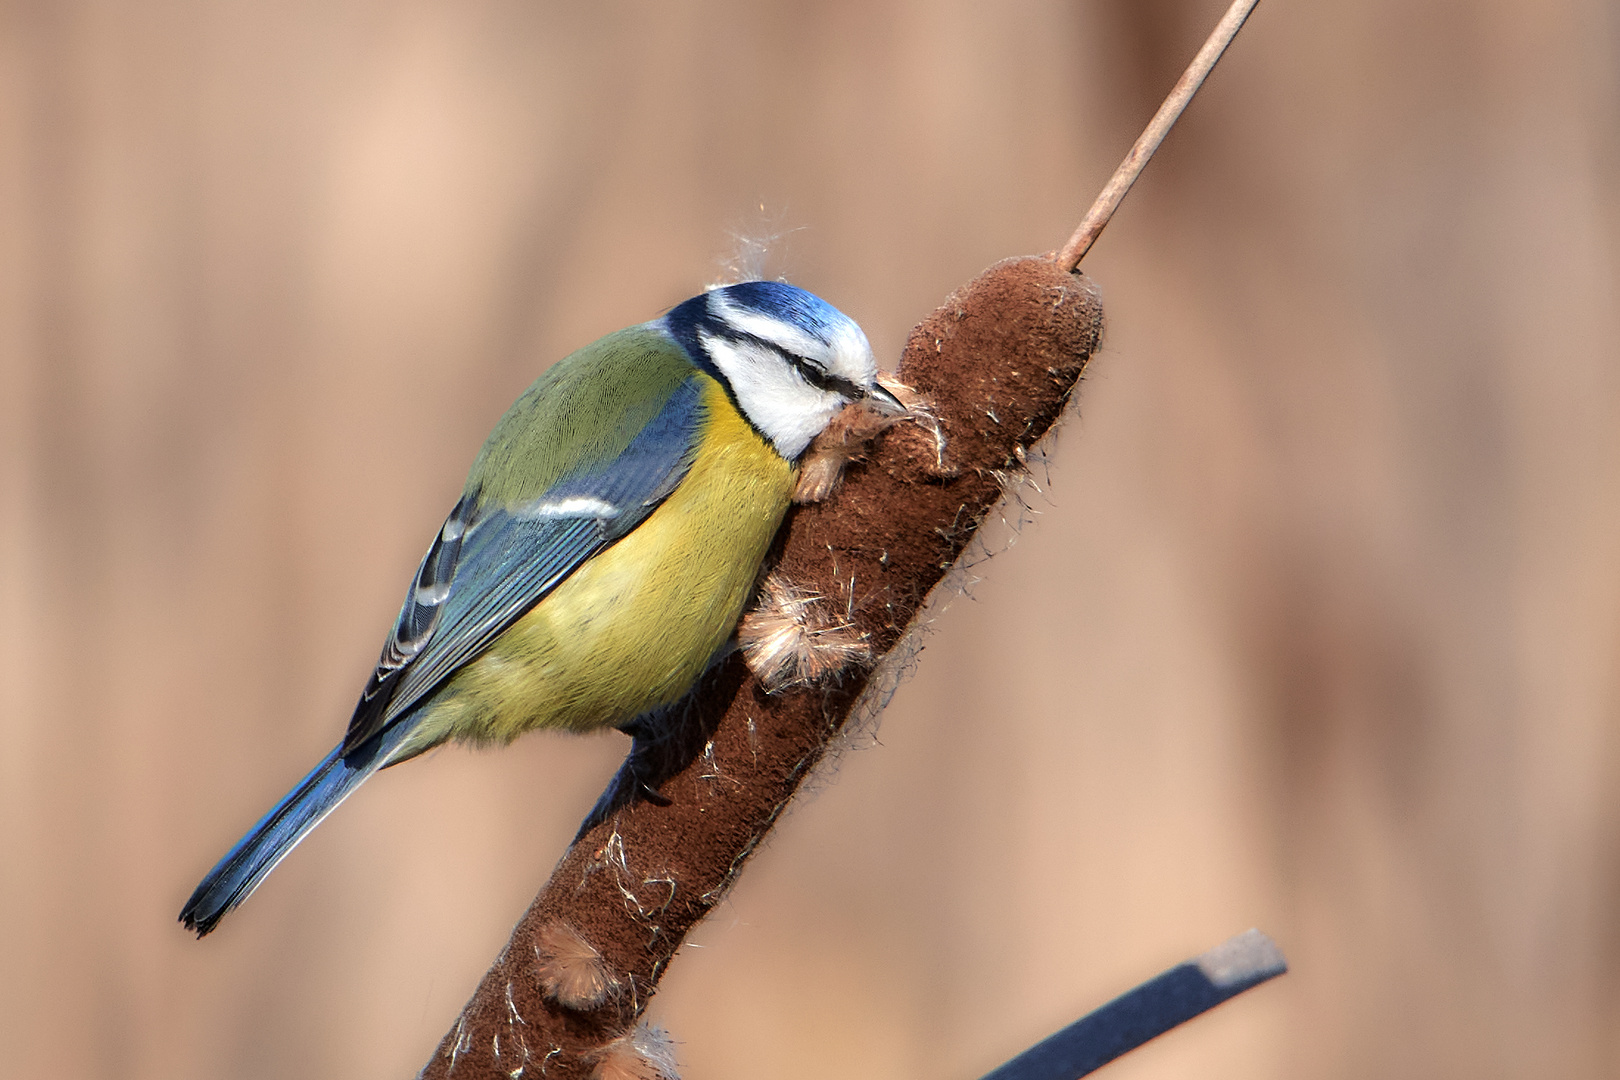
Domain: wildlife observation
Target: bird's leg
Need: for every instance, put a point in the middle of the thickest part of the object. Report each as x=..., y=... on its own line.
x=665, y=741
x=639, y=776
x=646, y=763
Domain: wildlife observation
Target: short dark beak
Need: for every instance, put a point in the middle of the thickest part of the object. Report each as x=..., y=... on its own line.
x=885, y=401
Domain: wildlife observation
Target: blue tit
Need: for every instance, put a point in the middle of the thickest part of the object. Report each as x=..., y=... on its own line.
x=610, y=533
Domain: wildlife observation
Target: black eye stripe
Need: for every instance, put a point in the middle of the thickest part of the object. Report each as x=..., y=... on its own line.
x=821, y=380
x=808, y=370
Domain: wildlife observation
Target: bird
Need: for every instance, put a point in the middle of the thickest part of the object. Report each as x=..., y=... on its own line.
x=611, y=532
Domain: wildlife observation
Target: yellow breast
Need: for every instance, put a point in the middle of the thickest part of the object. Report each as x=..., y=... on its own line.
x=634, y=627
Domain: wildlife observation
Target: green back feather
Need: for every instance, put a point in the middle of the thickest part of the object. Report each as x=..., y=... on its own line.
x=585, y=408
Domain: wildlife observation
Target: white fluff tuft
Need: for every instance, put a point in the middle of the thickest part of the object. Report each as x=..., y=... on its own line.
x=788, y=640
x=647, y=1053
x=572, y=972
x=758, y=249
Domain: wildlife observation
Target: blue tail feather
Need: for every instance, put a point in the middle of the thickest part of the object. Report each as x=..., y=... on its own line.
x=288, y=822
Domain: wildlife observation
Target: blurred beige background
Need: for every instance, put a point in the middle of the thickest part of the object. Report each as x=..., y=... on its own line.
x=1317, y=628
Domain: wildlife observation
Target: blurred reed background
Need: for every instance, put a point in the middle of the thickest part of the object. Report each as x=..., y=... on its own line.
x=1317, y=629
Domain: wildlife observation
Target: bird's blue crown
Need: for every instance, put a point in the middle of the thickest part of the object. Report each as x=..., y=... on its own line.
x=777, y=300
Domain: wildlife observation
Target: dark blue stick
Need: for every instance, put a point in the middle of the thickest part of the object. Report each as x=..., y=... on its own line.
x=1150, y=1010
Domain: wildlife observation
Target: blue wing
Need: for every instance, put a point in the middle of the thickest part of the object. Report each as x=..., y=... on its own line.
x=490, y=564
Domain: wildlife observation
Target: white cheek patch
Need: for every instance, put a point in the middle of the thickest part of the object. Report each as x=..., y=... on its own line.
x=788, y=410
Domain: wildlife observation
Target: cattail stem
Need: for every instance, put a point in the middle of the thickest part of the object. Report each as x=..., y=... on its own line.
x=1096, y=218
